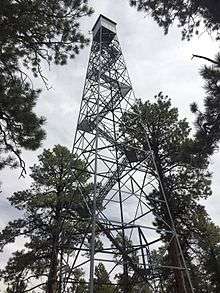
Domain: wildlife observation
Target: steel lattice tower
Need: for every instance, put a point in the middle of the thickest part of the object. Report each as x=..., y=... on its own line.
x=120, y=202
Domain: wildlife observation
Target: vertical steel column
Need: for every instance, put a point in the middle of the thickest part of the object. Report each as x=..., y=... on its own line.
x=118, y=174
x=94, y=207
x=168, y=208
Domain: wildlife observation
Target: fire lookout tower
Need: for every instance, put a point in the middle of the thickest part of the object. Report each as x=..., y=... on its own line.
x=120, y=233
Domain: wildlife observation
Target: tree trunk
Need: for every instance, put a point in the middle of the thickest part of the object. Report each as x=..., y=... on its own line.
x=173, y=249
x=52, y=284
x=173, y=253
x=52, y=277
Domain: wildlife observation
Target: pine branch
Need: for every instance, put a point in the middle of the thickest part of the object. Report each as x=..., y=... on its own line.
x=15, y=152
x=37, y=286
x=205, y=58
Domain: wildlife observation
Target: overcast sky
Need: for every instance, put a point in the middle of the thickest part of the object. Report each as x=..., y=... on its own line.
x=155, y=63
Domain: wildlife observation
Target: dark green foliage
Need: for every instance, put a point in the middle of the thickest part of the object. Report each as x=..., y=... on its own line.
x=182, y=170
x=205, y=251
x=18, y=287
x=202, y=255
x=50, y=209
x=192, y=16
x=129, y=281
x=41, y=29
x=208, y=122
x=20, y=126
x=80, y=285
x=126, y=243
x=102, y=281
x=32, y=32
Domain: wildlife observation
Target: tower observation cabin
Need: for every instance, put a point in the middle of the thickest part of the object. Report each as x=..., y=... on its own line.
x=121, y=167
x=104, y=27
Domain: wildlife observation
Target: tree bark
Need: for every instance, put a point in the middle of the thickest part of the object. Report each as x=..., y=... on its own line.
x=52, y=284
x=52, y=277
x=173, y=249
x=173, y=252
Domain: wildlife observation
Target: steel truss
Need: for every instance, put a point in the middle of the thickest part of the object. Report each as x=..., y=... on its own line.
x=120, y=203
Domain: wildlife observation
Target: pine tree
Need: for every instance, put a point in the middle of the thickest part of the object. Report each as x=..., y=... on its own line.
x=20, y=127
x=205, y=249
x=183, y=170
x=202, y=255
x=32, y=32
x=51, y=209
x=102, y=281
x=191, y=16
x=208, y=122
x=79, y=285
x=128, y=281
